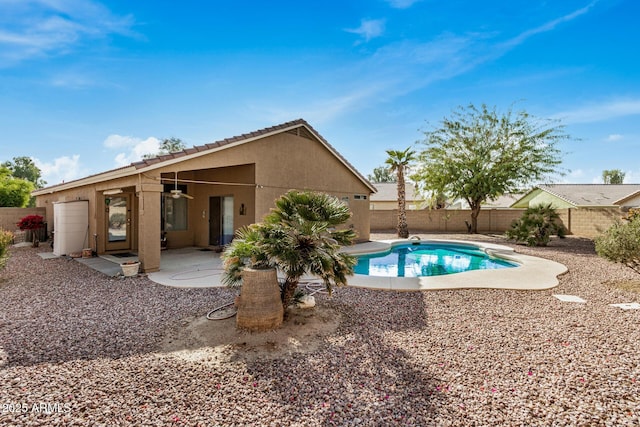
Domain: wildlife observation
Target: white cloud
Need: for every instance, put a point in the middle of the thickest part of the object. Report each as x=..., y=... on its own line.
x=134, y=148
x=397, y=69
x=601, y=111
x=614, y=137
x=402, y=4
x=32, y=28
x=549, y=26
x=369, y=29
x=62, y=169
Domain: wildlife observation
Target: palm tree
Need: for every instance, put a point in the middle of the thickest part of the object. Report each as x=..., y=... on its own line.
x=398, y=162
x=298, y=237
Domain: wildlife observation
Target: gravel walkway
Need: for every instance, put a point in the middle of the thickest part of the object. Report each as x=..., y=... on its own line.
x=79, y=348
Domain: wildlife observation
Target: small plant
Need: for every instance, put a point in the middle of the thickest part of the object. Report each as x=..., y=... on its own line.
x=621, y=242
x=6, y=237
x=33, y=223
x=536, y=226
x=299, y=237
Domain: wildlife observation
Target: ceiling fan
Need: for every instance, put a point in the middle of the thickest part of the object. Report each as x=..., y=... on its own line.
x=177, y=193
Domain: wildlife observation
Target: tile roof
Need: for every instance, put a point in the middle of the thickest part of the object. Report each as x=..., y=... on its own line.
x=246, y=137
x=587, y=195
x=388, y=192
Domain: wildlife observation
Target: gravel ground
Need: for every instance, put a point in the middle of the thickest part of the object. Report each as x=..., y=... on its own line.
x=79, y=348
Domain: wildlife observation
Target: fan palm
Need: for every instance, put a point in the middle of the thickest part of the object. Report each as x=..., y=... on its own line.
x=298, y=237
x=398, y=162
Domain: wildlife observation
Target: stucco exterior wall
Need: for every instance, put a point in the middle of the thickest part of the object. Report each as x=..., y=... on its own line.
x=255, y=173
x=544, y=198
x=632, y=201
x=97, y=207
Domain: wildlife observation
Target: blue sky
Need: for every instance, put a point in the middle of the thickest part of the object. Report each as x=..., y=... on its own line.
x=86, y=86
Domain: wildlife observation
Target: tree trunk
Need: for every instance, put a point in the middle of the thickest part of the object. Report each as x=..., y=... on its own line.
x=259, y=304
x=289, y=291
x=475, y=211
x=403, y=229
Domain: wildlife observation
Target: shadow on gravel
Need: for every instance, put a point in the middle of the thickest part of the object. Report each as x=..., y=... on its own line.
x=58, y=310
x=360, y=372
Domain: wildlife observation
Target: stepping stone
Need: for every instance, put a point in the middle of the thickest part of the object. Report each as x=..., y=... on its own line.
x=570, y=298
x=627, y=306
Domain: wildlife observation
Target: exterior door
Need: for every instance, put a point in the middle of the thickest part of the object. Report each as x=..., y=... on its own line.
x=220, y=220
x=118, y=227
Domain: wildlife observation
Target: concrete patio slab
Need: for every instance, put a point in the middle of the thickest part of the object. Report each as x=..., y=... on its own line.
x=194, y=268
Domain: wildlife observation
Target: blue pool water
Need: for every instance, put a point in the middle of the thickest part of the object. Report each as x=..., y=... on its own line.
x=427, y=259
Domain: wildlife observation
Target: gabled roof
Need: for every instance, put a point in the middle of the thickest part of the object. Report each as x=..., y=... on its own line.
x=388, y=192
x=588, y=195
x=298, y=127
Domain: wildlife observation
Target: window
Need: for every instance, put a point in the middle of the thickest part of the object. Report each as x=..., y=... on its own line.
x=359, y=197
x=174, y=211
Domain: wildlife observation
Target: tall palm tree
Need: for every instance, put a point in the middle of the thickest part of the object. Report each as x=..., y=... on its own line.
x=299, y=237
x=398, y=162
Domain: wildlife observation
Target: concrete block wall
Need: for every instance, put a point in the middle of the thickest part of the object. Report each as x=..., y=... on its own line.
x=591, y=222
x=580, y=222
x=445, y=220
x=10, y=216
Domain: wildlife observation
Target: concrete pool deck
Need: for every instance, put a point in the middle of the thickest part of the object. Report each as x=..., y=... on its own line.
x=193, y=268
x=533, y=273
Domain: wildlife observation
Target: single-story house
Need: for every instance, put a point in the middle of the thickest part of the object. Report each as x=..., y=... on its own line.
x=501, y=202
x=562, y=196
x=386, y=198
x=201, y=195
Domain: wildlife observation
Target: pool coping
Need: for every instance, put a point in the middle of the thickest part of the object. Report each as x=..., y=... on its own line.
x=533, y=273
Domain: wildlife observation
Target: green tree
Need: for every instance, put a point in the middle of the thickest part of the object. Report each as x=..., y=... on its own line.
x=167, y=146
x=14, y=192
x=478, y=155
x=398, y=162
x=24, y=167
x=299, y=237
x=537, y=225
x=381, y=174
x=613, y=176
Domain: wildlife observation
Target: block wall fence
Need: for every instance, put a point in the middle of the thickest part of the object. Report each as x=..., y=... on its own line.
x=579, y=222
x=9, y=217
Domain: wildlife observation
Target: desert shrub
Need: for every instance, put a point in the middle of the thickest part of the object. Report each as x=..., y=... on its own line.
x=621, y=243
x=6, y=237
x=536, y=226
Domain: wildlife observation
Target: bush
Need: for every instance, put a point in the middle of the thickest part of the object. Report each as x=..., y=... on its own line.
x=6, y=237
x=621, y=243
x=31, y=222
x=536, y=226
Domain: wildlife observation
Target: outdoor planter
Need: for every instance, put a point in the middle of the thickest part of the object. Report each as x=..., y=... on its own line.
x=259, y=305
x=130, y=269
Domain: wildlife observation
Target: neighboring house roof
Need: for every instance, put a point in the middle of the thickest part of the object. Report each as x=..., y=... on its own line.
x=298, y=127
x=388, y=192
x=585, y=195
x=504, y=201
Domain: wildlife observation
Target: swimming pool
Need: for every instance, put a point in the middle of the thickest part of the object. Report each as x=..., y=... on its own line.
x=424, y=259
